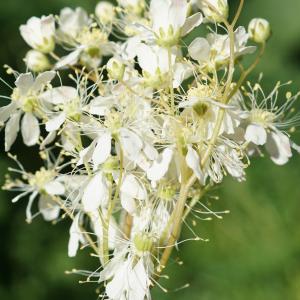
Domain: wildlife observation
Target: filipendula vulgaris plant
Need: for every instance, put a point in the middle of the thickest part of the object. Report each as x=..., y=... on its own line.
x=145, y=128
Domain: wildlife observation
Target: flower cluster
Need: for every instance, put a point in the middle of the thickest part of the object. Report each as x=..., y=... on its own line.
x=146, y=124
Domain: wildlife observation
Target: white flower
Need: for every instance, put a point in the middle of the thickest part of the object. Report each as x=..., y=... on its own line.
x=130, y=281
x=226, y=158
x=266, y=119
x=68, y=103
x=25, y=100
x=128, y=275
x=214, y=51
x=89, y=43
x=44, y=183
x=39, y=33
x=154, y=62
x=202, y=108
x=170, y=21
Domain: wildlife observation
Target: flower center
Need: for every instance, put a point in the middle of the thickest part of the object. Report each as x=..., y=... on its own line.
x=262, y=117
x=41, y=178
x=167, y=38
x=143, y=242
x=166, y=191
x=28, y=103
x=92, y=39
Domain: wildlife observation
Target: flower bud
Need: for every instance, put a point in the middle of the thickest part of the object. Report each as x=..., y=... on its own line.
x=105, y=12
x=259, y=30
x=115, y=69
x=214, y=10
x=37, y=61
x=39, y=33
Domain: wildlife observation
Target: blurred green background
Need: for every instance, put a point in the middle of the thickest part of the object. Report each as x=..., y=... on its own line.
x=253, y=253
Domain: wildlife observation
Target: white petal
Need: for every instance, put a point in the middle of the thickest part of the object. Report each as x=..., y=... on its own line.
x=138, y=282
x=191, y=23
x=100, y=106
x=150, y=151
x=102, y=150
x=181, y=72
x=160, y=166
x=86, y=154
x=29, y=205
x=71, y=22
x=116, y=287
x=55, y=188
x=54, y=123
x=279, y=147
x=159, y=10
x=95, y=193
x=48, y=208
x=24, y=82
x=256, y=134
x=199, y=50
x=147, y=58
x=59, y=95
x=69, y=60
x=48, y=139
x=98, y=228
x=7, y=111
x=128, y=203
x=43, y=79
x=133, y=188
x=177, y=13
x=30, y=129
x=131, y=143
x=163, y=59
x=193, y=161
x=75, y=237
x=12, y=129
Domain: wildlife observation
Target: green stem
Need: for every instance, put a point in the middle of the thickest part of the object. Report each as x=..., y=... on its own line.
x=171, y=80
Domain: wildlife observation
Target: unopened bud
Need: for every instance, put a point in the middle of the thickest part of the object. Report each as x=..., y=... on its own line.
x=37, y=61
x=259, y=30
x=115, y=69
x=214, y=10
x=105, y=12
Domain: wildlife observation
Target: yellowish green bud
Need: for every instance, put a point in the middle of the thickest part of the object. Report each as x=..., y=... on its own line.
x=259, y=30
x=105, y=12
x=37, y=61
x=215, y=10
x=115, y=69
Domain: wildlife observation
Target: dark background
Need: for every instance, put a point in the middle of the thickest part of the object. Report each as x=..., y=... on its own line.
x=253, y=253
